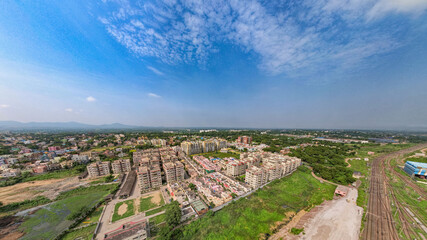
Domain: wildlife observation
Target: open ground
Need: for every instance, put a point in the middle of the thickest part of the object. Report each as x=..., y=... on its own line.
x=29, y=190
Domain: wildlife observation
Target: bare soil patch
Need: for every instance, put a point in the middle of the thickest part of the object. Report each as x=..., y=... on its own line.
x=336, y=220
x=122, y=209
x=29, y=190
x=156, y=199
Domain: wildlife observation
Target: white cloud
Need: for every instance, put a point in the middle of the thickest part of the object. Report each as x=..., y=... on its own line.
x=398, y=6
x=4, y=106
x=90, y=99
x=155, y=70
x=69, y=110
x=285, y=36
x=153, y=95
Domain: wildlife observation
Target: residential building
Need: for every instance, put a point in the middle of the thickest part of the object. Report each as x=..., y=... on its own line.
x=174, y=171
x=98, y=169
x=121, y=166
x=244, y=140
x=149, y=177
x=236, y=168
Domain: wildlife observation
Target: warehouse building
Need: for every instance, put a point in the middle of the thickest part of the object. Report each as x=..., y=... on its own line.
x=416, y=169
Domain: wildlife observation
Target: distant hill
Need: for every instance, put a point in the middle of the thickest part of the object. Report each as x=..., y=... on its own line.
x=14, y=125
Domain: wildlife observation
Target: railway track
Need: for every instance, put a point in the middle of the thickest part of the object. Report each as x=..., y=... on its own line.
x=379, y=219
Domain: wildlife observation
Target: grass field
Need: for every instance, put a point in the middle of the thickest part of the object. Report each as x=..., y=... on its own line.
x=81, y=234
x=129, y=211
x=255, y=216
x=147, y=203
x=361, y=166
x=157, y=219
x=93, y=217
x=154, y=211
x=51, y=220
x=417, y=159
x=219, y=155
x=57, y=174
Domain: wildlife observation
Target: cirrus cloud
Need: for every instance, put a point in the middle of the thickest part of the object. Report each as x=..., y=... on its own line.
x=286, y=36
x=153, y=95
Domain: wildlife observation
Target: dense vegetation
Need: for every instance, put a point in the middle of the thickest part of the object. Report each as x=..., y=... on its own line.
x=328, y=162
x=24, y=204
x=173, y=218
x=28, y=177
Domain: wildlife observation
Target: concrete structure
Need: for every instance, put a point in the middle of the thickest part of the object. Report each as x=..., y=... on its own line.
x=195, y=147
x=341, y=190
x=174, y=171
x=121, y=166
x=131, y=230
x=244, y=140
x=149, y=177
x=256, y=177
x=236, y=168
x=274, y=166
x=98, y=169
x=416, y=169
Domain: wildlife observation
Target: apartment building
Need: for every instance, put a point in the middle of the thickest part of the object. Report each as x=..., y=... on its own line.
x=149, y=177
x=236, y=168
x=98, y=169
x=244, y=140
x=174, y=171
x=121, y=166
x=274, y=166
x=195, y=147
x=256, y=176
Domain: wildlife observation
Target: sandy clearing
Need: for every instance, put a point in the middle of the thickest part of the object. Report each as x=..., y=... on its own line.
x=122, y=209
x=29, y=190
x=156, y=198
x=283, y=233
x=338, y=219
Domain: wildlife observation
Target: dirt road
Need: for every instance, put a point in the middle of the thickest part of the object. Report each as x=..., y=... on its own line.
x=339, y=219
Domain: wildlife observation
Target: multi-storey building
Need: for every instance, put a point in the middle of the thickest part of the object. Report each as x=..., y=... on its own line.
x=121, y=166
x=236, y=168
x=256, y=176
x=98, y=169
x=196, y=147
x=149, y=177
x=274, y=166
x=244, y=140
x=174, y=171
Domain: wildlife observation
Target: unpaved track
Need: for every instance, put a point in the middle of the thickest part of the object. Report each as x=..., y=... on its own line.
x=379, y=219
x=338, y=219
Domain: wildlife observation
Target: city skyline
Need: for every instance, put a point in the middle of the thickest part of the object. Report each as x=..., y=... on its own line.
x=264, y=64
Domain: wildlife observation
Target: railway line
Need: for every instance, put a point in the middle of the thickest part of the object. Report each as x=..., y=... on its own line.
x=379, y=218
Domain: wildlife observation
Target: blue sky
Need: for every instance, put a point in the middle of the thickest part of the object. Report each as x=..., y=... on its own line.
x=281, y=64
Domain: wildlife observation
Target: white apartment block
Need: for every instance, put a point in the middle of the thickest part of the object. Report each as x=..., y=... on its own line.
x=256, y=177
x=274, y=166
x=236, y=168
x=98, y=169
x=121, y=166
x=195, y=147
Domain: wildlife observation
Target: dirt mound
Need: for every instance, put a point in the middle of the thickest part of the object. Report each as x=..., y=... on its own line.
x=9, y=227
